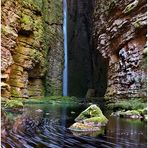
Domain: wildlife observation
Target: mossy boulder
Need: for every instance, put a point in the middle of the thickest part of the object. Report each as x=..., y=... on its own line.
x=91, y=111
x=90, y=120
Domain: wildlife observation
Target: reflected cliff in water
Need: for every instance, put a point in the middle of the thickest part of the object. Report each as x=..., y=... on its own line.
x=47, y=126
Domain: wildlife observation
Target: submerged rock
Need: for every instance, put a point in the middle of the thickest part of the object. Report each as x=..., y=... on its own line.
x=90, y=120
x=79, y=127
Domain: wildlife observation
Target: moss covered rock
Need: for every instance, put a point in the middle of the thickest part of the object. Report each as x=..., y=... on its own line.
x=90, y=120
x=91, y=111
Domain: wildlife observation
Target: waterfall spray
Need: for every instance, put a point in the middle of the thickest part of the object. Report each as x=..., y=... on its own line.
x=65, y=72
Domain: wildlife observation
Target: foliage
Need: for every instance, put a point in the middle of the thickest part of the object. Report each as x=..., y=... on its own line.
x=142, y=111
x=51, y=99
x=130, y=112
x=132, y=104
x=14, y=103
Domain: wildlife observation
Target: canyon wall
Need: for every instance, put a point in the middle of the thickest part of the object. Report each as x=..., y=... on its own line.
x=106, y=48
x=31, y=33
x=119, y=35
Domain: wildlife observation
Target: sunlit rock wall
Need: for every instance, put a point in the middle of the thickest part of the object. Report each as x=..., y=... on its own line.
x=119, y=35
x=29, y=37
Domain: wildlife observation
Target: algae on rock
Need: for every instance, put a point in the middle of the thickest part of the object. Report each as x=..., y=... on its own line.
x=90, y=120
x=90, y=112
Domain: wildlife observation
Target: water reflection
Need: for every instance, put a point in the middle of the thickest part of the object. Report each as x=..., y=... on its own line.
x=44, y=126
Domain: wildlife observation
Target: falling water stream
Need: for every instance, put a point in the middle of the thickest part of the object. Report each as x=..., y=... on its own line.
x=65, y=72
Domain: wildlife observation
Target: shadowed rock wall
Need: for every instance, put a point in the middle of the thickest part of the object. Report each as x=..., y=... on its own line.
x=87, y=68
x=79, y=47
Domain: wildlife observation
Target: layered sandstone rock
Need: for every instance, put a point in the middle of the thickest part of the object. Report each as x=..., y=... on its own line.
x=119, y=34
x=28, y=28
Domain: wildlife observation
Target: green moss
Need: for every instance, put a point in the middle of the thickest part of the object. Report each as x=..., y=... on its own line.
x=130, y=7
x=15, y=92
x=52, y=99
x=137, y=24
x=95, y=120
x=33, y=4
x=132, y=112
x=25, y=19
x=56, y=12
x=91, y=111
x=26, y=22
x=17, y=103
x=132, y=104
x=90, y=119
x=142, y=111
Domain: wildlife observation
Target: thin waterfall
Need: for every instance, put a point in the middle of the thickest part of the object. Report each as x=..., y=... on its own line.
x=65, y=72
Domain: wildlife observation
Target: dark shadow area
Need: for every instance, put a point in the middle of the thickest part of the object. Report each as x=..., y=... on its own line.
x=86, y=67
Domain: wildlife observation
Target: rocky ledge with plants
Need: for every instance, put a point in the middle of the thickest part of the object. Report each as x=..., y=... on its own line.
x=133, y=109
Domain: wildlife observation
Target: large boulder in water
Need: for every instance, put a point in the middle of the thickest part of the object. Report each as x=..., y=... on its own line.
x=92, y=114
x=91, y=119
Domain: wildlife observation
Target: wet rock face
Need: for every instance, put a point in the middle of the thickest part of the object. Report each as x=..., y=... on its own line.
x=55, y=56
x=28, y=28
x=119, y=35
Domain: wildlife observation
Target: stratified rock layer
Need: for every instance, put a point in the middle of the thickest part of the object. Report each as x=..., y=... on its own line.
x=31, y=33
x=119, y=34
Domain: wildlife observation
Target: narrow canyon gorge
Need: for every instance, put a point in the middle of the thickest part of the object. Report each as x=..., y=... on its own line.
x=74, y=73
